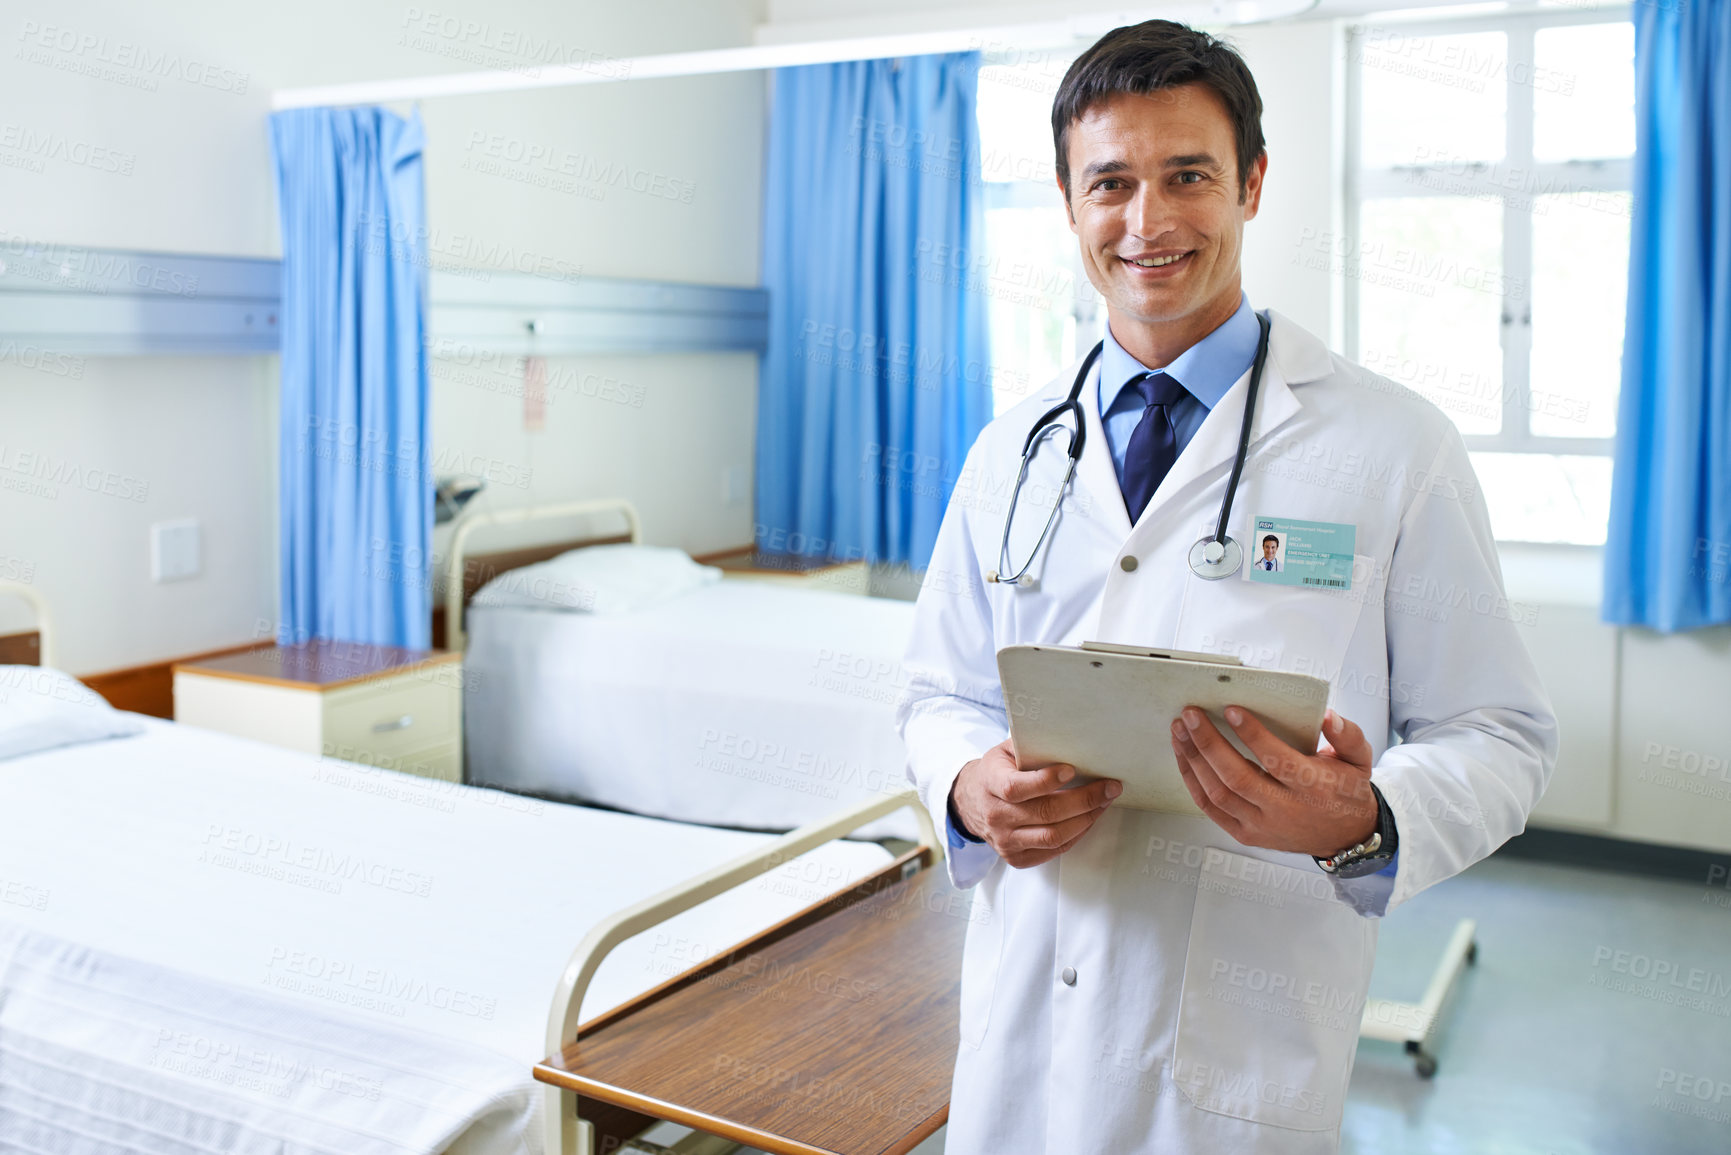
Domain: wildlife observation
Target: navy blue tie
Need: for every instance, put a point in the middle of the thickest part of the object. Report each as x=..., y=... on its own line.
x=1153, y=443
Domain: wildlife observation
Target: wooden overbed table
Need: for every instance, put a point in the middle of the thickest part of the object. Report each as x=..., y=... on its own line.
x=833, y=1032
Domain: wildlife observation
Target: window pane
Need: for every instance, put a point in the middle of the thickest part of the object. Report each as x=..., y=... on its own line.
x=1430, y=301
x=1031, y=285
x=1029, y=272
x=1584, y=92
x=1432, y=98
x=1580, y=280
x=1014, y=111
x=1546, y=497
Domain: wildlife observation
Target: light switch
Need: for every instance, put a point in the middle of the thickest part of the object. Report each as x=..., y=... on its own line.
x=174, y=550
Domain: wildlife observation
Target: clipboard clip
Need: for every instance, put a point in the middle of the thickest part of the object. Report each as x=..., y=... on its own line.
x=1150, y=652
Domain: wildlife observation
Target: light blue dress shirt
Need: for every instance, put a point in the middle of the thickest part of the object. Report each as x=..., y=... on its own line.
x=1207, y=370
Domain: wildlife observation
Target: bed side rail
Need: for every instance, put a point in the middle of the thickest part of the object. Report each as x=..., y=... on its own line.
x=565, y=1133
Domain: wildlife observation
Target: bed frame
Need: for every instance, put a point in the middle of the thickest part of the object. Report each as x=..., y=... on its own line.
x=29, y=647
x=689, y=1051
x=465, y=574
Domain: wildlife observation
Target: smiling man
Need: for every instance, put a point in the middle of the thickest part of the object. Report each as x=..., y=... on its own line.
x=1138, y=981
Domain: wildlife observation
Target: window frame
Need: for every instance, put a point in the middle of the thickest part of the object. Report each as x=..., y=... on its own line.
x=1485, y=180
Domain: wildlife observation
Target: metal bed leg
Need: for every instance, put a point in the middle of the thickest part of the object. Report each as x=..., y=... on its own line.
x=1414, y=1024
x=564, y=1133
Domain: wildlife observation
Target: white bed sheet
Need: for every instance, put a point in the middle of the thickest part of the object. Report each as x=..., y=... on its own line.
x=217, y=945
x=741, y=704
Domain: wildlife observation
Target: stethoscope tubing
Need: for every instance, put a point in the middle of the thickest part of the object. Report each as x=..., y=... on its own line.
x=1238, y=459
x=1072, y=405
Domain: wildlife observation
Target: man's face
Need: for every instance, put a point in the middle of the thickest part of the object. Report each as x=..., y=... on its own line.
x=1152, y=178
x=1268, y=548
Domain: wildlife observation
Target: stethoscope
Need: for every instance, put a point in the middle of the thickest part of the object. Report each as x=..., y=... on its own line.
x=1213, y=557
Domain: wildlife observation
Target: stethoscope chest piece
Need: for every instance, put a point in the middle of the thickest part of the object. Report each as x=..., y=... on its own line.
x=1213, y=560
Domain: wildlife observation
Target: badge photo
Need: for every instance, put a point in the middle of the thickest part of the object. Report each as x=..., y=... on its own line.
x=1316, y=554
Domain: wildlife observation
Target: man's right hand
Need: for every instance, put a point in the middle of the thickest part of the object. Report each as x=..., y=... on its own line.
x=1027, y=816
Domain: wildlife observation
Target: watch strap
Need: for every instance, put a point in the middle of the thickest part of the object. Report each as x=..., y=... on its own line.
x=1373, y=853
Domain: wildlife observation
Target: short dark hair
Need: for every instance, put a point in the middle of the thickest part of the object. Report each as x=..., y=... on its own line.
x=1156, y=54
x=1271, y=538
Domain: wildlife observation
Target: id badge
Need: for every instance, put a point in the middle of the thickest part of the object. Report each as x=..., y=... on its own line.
x=1315, y=554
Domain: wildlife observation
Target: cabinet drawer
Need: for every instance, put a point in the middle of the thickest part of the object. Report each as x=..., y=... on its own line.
x=441, y=762
x=389, y=718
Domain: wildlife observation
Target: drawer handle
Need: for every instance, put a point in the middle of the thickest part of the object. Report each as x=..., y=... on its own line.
x=402, y=723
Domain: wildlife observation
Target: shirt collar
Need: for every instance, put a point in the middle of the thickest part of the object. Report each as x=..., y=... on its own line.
x=1206, y=370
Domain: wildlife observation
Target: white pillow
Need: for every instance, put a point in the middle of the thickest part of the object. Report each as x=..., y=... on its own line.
x=41, y=708
x=600, y=579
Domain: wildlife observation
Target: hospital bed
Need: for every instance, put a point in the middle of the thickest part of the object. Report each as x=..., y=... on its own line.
x=740, y=703
x=212, y=944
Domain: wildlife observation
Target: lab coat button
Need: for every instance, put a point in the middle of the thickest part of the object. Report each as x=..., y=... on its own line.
x=1127, y=564
x=1069, y=976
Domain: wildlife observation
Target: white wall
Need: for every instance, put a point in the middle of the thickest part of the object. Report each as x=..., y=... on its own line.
x=1298, y=72
x=130, y=442
x=190, y=142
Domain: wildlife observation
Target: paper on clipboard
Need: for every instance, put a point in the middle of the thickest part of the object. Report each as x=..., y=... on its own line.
x=1107, y=710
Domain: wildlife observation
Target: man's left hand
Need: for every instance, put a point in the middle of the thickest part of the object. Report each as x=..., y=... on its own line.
x=1316, y=804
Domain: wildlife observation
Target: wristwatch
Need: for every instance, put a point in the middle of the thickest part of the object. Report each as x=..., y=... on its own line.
x=1373, y=853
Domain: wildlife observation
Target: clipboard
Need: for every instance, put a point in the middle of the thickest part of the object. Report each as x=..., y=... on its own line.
x=1107, y=710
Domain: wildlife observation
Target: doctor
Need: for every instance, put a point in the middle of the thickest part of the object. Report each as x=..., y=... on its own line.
x=1141, y=982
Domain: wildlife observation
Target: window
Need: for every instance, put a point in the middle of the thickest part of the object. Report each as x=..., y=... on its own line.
x=1488, y=209
x=1038, y=298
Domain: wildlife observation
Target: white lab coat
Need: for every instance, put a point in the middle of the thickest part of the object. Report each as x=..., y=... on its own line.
x=1217, y=988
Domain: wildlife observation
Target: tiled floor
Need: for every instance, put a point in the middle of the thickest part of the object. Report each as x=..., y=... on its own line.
x=1597, y=1019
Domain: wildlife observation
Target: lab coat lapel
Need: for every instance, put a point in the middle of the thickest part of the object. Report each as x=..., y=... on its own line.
x=1294, y=356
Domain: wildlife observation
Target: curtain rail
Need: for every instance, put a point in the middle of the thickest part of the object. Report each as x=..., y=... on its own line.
x=586, y=67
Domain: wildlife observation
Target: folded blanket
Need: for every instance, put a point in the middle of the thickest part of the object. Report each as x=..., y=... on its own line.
x=103, y=1054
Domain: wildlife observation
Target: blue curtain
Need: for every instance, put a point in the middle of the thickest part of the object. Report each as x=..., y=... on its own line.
x=877, y=378
x=1668, y=552
x=356, y=501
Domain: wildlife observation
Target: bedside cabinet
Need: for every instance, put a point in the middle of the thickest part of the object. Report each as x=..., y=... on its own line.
x=847, y=577
x=377, y=705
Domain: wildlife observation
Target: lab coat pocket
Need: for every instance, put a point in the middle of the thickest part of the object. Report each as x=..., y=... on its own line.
x=1293, y=628
x=1274, y=986
x=982, y=955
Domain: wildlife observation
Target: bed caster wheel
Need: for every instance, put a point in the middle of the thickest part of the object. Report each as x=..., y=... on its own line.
x=1472, y=953
x=1425, y=1065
